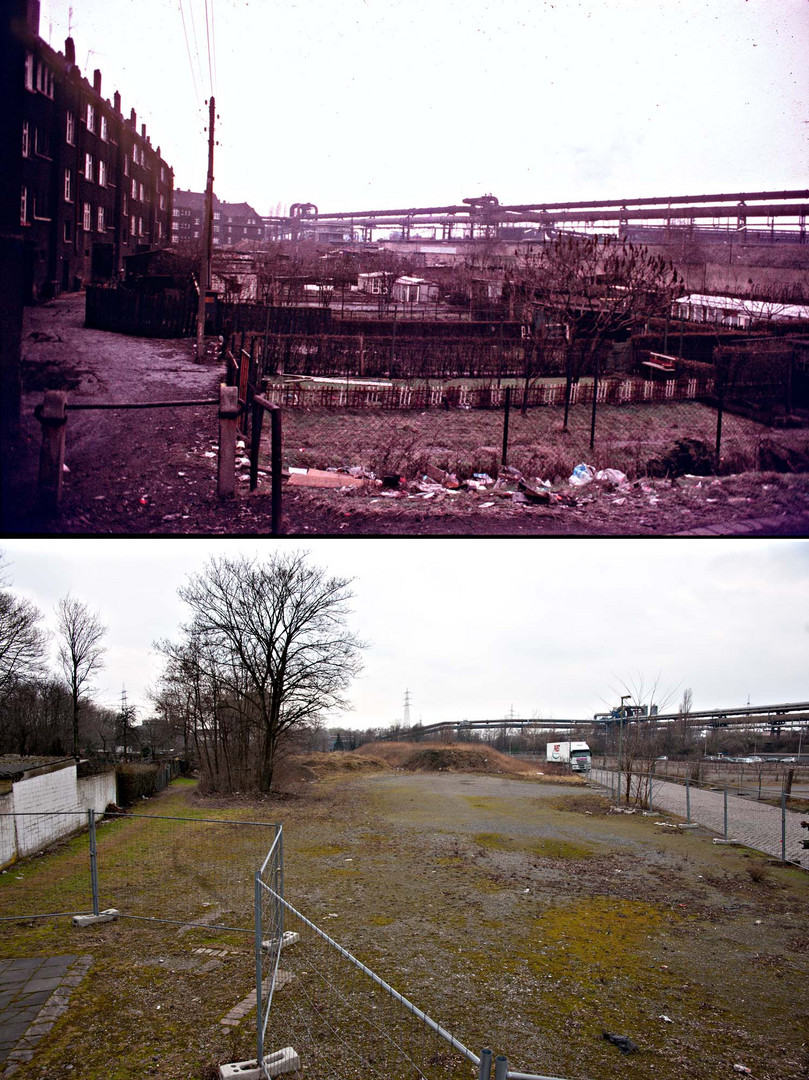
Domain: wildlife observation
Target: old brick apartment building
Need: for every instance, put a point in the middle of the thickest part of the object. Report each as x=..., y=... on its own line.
x=80, y=186
x=232, y=222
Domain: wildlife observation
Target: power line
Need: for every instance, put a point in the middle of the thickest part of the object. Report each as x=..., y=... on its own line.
x=213, y=38
x=208, y=37
x=196, y=41
x=188, y=50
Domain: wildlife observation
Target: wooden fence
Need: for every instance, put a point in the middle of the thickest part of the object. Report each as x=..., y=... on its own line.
x=125, y=311
x=611, y=391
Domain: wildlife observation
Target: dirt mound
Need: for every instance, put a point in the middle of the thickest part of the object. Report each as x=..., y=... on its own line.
x=446, y=757
x=339, y=761
x=450, y=759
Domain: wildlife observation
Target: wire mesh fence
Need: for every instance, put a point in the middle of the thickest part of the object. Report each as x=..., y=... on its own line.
x=346, y=1022
x=638, y=440
x=733, y=813
x=60, y=843
x=186, y=870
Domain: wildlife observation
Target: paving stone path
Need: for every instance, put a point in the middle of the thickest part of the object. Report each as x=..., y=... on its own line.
x=33, y=995
x=755, y=824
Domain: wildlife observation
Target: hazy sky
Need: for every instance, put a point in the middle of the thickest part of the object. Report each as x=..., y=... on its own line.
x=472, y=627
x=376, y=103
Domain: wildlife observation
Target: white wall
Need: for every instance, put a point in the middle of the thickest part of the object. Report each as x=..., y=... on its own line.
x=54, y=795
x=49, y=807
x=8, y=838
x=97, y=792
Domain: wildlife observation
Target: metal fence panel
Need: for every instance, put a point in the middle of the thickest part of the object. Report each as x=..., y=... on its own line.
x=180, y=869
x=59, y=842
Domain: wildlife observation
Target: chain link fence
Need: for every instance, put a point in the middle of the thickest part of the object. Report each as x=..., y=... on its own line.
x=734, y=813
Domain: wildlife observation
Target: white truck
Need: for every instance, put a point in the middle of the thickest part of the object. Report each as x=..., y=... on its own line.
x=576, y=755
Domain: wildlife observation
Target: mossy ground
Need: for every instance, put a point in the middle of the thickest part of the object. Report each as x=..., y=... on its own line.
x=516, y=915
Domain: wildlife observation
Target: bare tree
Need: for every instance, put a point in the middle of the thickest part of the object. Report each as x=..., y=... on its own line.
x=594, y=288
x=269, y=649
x=22, y=640
x=639, y=736
x=81, y=653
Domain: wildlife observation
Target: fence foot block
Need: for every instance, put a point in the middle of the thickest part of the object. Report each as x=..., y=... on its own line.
x=718, y=841
x=90, y=920
x=282, y=1061
x=289, y=938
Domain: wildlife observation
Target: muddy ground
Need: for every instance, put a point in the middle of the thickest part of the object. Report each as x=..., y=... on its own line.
x=154, y=471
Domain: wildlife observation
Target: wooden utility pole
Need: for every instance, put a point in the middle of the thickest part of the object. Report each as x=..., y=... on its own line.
x=205, y=254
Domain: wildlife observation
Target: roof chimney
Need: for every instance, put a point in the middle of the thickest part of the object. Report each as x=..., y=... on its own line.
x=97, y=81
x=133, y=119
x=116, y=102
x=143, y=131
x=70, y=50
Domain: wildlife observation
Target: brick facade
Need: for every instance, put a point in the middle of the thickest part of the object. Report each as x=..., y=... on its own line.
x=80, y=184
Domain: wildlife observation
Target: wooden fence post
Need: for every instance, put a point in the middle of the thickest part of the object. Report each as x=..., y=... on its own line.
x=53, y=418
x=228, y=415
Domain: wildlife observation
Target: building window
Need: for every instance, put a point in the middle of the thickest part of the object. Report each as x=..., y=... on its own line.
x=162, y=175
x=26, y=139
x=126, y=164
x=124, y=205
x=104, y=135
x=140, y=192
x=86, y=219
x=159, y=230
x=66, y=232
x=140, y=226
x=88, y=167
x=101, y=219
x=29, y=71
x=44, y=79
x=24, y=205
x=70, y=128
x=91, y=117
x=42, y=142
x=102, y=174
x=134, y=188
x=162, y=202
x=132, y=224
x=68, y=186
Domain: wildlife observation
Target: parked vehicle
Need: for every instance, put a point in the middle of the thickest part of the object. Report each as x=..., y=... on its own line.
x=576, y=755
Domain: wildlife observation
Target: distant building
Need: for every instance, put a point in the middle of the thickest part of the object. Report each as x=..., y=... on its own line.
x=80, y=183
x=232, y=222
x=415, y=290
x=736, y=310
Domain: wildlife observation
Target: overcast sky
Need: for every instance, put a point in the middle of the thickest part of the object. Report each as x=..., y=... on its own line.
x=384, y=103
x=474, y=627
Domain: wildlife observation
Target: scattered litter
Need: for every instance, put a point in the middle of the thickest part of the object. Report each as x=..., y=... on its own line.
x=742, y=1069
x=484, y=505
x=65, y=468
x=665, y=1019
x=332, y=915
x=209, y=453
x=624, y=1044
x=611, y=476
x=482, y=477
x=535, y=492
x=581, y=475
x=321, y=478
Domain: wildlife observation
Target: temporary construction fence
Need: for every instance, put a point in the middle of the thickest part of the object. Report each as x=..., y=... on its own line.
x=735, y=814
x=334, y=1015
x=191, y=871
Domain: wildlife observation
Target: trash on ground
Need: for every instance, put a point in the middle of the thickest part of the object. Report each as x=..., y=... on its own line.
x=611, y=476
x=321, y=478
x=624, y=1044
x=581, y=475
x=742, y=1069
